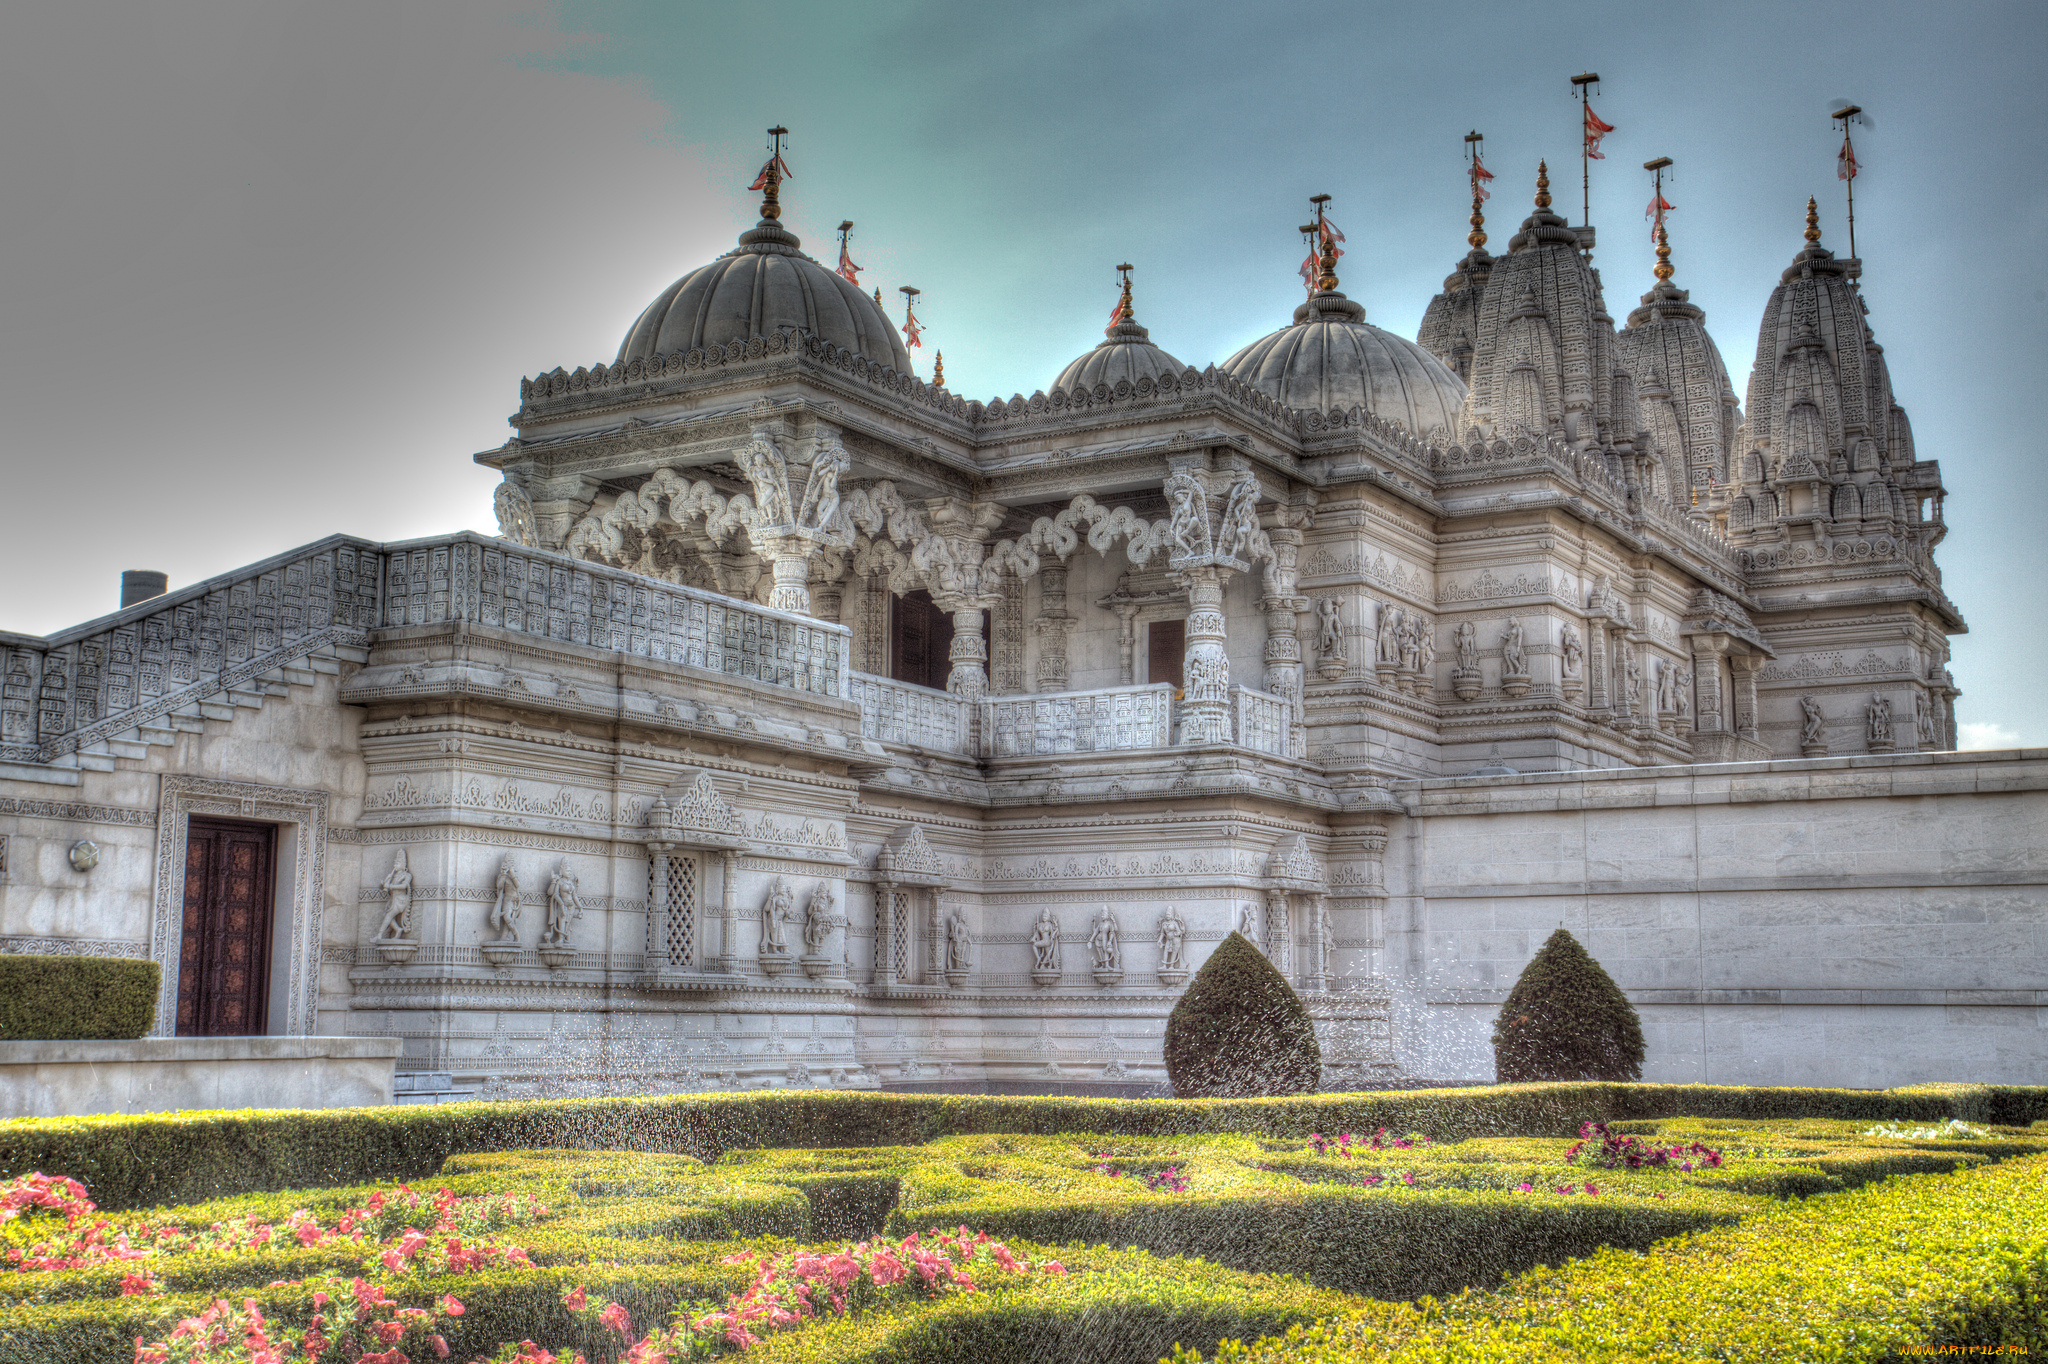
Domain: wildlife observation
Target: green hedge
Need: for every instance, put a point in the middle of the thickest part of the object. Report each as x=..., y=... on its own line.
x=1941, y=1260
x=76, y=998
x=134, y=1161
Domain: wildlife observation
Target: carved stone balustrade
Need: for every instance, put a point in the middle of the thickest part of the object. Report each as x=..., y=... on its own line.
x=901, y=713
x=1104, y=720
x=1260, y=721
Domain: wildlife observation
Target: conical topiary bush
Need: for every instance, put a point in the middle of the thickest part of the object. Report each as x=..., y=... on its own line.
x=1566, y=1019
x=1240, y=1031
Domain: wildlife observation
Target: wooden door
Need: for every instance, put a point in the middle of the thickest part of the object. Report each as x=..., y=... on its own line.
x=224, y=960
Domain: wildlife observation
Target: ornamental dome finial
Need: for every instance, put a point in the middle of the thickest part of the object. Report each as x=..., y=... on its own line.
x=1812, y=222
x=1543, y=184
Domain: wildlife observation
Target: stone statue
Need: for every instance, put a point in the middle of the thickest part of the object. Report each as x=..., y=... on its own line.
x=1173, y=936
x=1240, y=528
x=562, y=906
x=775, y=912
x=505, y=912
x=1810, y=722
x=1106, y=942
x=1425, y=646
x=1190, y=526
x=1512, y=658
x=818, y=919
x=515, y=514
x=762, y=463
x=1681, y=691
x=1465, y=639
x=1390, y=634
x=1923, y=722
x=1573, y=651
x=821, y=495
x=1329, y=628
x=1632, y=671
x=1248, y=921
x=399, y=886
x=1878, y=719
x=1411, y=642
x=1045, y=941
x=959, y=938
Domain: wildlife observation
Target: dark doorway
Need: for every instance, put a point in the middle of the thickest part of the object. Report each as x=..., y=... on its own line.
x=224, y=962
x=1165, y=651
x=921, y=640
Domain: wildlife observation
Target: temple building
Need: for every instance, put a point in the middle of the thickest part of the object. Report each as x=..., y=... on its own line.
x=810, y=724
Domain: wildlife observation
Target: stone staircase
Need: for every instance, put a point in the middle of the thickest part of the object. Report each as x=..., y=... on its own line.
x=188, y=718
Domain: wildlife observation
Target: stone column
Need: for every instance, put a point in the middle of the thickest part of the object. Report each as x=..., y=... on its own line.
x=1599, y=667
x=728, y=915
x=1280, y=933
x=1624, y=654
x=885, y=932
x=558, y=504
x=1205, y=668
x=1745, y=668
x=969, y=678
x=1127, y=642
x=658, y=907
x=1054, y=626
x=1283, y=642
x=827, y=601
x=1710, y=708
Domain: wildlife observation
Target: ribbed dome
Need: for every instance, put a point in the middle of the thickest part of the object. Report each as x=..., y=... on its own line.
x=764, y=285
x=1126, y=353
x=1330, y=358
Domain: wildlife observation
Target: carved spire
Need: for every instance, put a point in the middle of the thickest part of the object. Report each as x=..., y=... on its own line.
x=1812, y=222
x=1543, y=184
x=938, y=369
x=1663, y=269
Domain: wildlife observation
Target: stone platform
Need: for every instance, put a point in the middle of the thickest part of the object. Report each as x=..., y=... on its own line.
x=164, y=1074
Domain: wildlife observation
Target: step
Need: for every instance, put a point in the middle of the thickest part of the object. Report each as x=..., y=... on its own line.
x=190, y=721
x=299, y=677
x=217, y=710
x=45, y=773
x=95, y=759
x=320, y=663
x=247, y=697
x=128, y=748
x=159, y=733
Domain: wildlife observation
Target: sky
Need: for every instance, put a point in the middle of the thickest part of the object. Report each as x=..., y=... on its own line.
x=271, y=270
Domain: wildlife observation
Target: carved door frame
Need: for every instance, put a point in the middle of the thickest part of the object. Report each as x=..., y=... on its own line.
x=299, y=897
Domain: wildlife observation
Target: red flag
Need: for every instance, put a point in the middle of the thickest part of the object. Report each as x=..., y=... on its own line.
x=1116, y=314
x=778, y=166
x=912, y=328
x=1845, y=161
x=1659, y=206
x=1480, y=173
x=1595, y=130
x=847, y=269
x=1308, y=271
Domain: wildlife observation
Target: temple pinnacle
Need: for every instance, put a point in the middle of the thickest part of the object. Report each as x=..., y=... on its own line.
x=1326, y=264
x=1543, y=184
x=1122, y=313
x=1812, y=223
x=1663, y=269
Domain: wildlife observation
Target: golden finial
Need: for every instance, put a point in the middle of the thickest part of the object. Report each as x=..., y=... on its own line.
x=1663, y=270
x=1543, y=184
x=1475, y=143
x=1812, y=223
x=878, y=295
x=1326, y=265
x=939, y=369
x=1123, y=311
x=772, y=176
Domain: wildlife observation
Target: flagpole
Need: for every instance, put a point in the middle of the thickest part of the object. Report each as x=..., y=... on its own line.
x=1475, y=143
x=1844, y=114
x=1582, y=86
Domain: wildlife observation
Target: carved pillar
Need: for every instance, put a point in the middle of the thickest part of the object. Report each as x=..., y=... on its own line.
x=1127, y=643
x=790, y=558
x=1624, y=655
x=1279, y=933
x=1205, y=668
x=827, y=601
x=657, y=906
x=1599, y=667
x=1318, y=943
x=558, y=503
x=969, y=678
x=1745, y=668
x=1710, y=706
x=728, y=914
x=1054, y=627
x=885, y=932
x=1283, y=642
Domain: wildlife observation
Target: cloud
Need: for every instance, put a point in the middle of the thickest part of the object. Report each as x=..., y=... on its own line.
x=1971, y=735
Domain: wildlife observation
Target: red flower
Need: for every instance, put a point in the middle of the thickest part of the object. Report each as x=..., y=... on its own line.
x=576, y=1299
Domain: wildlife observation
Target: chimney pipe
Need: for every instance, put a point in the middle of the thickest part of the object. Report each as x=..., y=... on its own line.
x=140, y=584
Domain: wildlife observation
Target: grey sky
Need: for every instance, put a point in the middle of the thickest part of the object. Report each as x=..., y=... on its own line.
x=272, y=270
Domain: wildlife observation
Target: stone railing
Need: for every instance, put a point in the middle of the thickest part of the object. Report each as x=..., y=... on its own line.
x=1259, y=721
x=900, y=713
x=1106, y=720
x=109, y=676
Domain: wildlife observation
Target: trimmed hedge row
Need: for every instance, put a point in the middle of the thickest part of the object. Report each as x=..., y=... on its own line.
x=134, y=1161
x=1941, y=1260
x=76, y=998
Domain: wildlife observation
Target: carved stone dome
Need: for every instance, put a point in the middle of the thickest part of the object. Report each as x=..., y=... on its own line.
x=763, y=285
x=1125, y=352
x=1331, y=358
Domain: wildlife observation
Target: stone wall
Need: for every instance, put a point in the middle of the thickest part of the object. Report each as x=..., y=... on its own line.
x=1860, y=921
